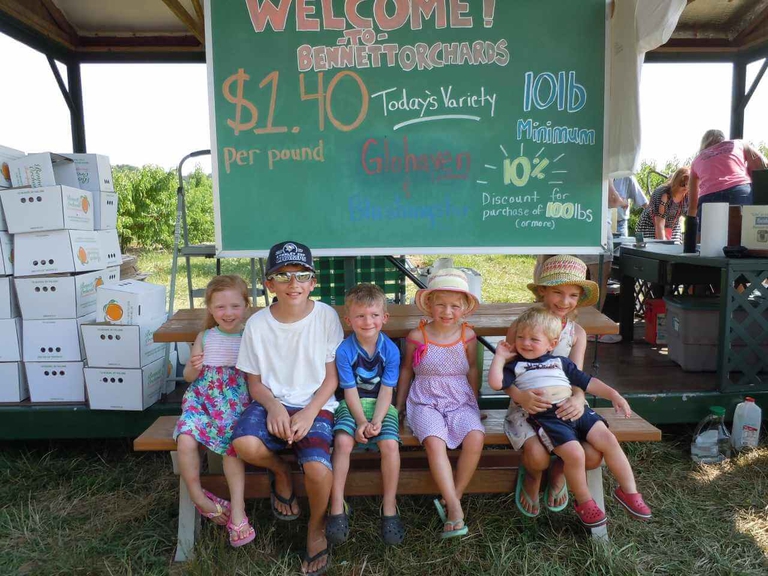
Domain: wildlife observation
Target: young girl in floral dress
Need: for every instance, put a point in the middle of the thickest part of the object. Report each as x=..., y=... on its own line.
x=212, y=404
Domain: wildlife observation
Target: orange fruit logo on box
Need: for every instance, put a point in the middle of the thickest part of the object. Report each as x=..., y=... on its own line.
x=6, y=171
x=82, y=255
x=99, y=282
x=113, y=311
x=10, y=258
x=84, y=204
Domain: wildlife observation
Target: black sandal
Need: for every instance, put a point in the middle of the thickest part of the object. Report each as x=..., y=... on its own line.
x=287, y=501
x=337, y=526
x=323, y=569
x=392, y=529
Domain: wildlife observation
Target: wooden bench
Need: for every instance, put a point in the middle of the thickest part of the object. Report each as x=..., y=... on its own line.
x=496, y=473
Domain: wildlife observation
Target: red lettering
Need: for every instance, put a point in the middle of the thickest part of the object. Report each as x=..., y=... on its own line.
x=425, y=8
x=458, y=20
x=303, y=20
x=375, y=161
x=350, y=10
x=267, y=13
x=331, y=22
x=386, y=22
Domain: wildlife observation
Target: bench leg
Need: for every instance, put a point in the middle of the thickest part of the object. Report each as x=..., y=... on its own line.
x=189, y=521
x=595, y=483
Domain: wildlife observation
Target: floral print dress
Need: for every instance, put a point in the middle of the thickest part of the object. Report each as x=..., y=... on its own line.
x=213, y=403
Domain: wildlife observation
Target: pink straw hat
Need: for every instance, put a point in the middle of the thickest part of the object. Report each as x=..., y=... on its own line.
x=446, y=280
x=567, y=270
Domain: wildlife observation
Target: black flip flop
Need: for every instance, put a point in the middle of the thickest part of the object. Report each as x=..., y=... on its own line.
x=320, y=571
x=275, y=496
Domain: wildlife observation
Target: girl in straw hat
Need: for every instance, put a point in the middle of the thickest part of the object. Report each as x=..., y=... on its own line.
x=441, y=403
x=562, y=287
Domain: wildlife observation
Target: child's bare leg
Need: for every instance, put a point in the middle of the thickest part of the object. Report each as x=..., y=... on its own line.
x=343, y=444
x=234, y=472
x=573, y=464
x=592, y=456
x=471, y=450
x=318, y=482
x=604, y=440
x=440, y=466
x=536, y=461
x=253, y=451
x=188, y=454
x=390, y=474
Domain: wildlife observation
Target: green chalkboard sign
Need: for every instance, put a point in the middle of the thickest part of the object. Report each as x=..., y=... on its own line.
x=407, y=126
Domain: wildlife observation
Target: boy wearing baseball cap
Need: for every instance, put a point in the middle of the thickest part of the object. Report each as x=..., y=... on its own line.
x=288, y=353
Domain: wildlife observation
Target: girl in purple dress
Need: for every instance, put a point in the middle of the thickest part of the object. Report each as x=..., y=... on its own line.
x=212, y=404
x=441, y=402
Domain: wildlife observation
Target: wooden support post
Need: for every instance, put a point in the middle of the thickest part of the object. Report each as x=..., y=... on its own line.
x=595, y=484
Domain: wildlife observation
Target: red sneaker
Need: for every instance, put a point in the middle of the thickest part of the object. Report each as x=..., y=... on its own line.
x=590, y=514
x=633, y=503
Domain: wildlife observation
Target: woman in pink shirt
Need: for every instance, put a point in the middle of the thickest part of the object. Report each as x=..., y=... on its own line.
x=722, y=172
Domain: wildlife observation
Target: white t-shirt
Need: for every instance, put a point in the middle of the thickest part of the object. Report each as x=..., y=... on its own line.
x=291, y=358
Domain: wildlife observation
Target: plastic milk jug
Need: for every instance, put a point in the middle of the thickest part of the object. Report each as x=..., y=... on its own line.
x=711, y=441
x=746, y=425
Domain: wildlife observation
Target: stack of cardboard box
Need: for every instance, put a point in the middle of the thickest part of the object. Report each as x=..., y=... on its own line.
x=62, y=211
x=126, y=370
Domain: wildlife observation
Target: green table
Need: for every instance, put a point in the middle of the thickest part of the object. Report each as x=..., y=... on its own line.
x=739, y=369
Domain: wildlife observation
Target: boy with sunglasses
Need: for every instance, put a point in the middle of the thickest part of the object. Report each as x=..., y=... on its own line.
x=288, y=353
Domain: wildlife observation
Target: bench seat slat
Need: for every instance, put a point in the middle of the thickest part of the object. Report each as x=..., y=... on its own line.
x=159, y=436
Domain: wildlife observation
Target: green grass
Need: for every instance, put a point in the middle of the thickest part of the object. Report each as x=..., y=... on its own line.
x=504, y=277
x=100, y=509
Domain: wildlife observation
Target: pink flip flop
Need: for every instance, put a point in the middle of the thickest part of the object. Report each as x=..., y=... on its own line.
x=243, y=528
x=223, y=509
x=633, y=503
x=590, y=514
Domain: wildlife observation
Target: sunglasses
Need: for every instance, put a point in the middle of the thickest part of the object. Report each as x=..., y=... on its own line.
x=285, y=277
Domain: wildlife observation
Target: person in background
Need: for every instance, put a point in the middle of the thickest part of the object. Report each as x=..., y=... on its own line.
x=629, y=190
x=661, y=218
x=722, y=172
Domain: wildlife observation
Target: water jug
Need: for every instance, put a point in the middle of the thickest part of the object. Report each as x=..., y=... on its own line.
x=711, y=442
x=746, y=425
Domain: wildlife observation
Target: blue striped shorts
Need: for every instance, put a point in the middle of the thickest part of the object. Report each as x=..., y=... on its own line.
x=345, y=422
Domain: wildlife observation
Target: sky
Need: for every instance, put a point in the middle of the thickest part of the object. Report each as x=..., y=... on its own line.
x=156, y=114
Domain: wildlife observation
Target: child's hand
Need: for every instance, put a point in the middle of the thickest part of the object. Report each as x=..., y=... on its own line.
x=279, y=423
x=505, y=350
x=197, y=361
x=301, y=422
x=374, y=429
x=531, y=401
x=621, y=406
x=360, y=433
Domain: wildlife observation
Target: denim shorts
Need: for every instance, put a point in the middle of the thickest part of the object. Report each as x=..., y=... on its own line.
x=740, y=195
x=314, y=447
x=562, y=431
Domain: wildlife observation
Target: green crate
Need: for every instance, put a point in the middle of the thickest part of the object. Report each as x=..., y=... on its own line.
x=331, y=285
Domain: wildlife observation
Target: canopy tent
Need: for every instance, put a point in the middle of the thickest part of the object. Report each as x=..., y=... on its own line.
x=84, y=31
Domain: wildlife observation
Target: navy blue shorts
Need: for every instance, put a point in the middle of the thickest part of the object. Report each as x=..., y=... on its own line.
x=561, y=431
x=314, y=447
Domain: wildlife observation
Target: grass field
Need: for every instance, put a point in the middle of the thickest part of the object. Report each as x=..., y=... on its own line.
x=97, y=508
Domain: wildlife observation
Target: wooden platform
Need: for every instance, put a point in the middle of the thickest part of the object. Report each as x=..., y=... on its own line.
x=158, y=437
x=488, y=320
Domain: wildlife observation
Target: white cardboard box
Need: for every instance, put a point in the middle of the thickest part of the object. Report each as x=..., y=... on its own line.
x=6, y=155
x=54, y=340
x=121, y=345
x=13, y=382
x=754, y=227
x=125, y=389
x=44, y=169
x=110, y=247
x=6, y=254
x=47, y=208
x=10, y=340
x=94, y=172
x=58, y=252
x=129, y=302
x=105, y=210
x=55, y=381
x=170, y=385
x=64, y=296
x=9, y=305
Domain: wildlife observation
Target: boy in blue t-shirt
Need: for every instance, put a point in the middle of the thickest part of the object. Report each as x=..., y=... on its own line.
x=552, y=378
x=368, y=363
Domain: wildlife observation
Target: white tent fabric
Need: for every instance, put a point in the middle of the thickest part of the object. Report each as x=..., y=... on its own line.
x=637, y=26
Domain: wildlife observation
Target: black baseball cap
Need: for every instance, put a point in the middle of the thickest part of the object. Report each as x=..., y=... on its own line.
x=289, y=253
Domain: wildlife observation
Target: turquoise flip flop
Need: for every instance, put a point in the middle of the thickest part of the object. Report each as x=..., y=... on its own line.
x=455, y=533
x=440, y=510
x=563, y=491
x=519, y=490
